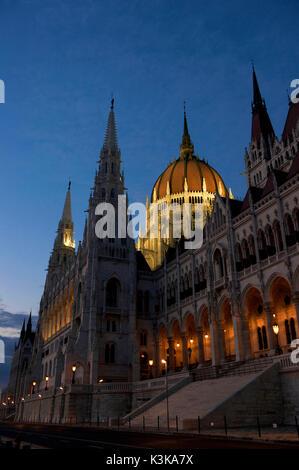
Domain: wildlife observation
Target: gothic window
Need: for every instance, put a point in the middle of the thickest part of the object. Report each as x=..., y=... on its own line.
x=262, y=244
x=218, y=264
x=143, y=338
x=260, y=338
x=112, y=193
x=287, y=330
x=265, y=339
x=290, y=230
x=103, y=193
x=277, y=230
x=112, y=293
x=110, y=353
x=293, y=329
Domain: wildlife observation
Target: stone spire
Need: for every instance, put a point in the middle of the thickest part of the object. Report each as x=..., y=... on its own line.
x=186, y=148
x=261, y=129
x=64, y=244
x=109, y=180
x=67, y=210
x=110, y=143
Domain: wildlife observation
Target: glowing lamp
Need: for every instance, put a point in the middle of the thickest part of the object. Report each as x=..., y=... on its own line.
x=275, y=328
x=151, y=362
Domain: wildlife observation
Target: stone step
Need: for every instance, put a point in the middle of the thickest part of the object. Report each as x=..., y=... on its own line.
x=195, y=399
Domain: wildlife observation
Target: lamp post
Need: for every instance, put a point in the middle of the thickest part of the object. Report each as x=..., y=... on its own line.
x=33, y=387
x=47, y=380
x=74, y=368
x=276, y=331
x=151, y=363
x=164, y=362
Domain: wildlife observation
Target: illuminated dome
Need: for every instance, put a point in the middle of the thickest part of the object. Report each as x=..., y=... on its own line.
x=188, y=173
x=198, y=175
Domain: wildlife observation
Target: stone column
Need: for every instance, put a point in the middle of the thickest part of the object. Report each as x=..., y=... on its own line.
x=201, y=357
x=171, y=355
x=269, y=320
x=185, y=352
x=237, y=332
x=217, y=354
x=157, y=367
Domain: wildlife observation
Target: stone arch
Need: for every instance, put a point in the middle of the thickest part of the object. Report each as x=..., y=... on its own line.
x=113, y=292
x=284, y=312
x=163, y=345
x=206, y=334
x=255, y=316
x=227, y=330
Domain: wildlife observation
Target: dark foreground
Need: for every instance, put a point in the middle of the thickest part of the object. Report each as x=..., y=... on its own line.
x=68, y=437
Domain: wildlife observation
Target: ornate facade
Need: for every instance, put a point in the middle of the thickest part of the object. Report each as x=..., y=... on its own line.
x=110, y=311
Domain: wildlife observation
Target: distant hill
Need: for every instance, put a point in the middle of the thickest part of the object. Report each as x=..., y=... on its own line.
x=10, y=328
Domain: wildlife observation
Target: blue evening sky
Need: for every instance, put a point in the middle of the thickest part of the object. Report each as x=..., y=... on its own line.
x=61, y=60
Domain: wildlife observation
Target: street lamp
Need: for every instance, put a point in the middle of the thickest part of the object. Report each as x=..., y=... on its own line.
x=151, y=363
x=276, y=331
x=164, y=362
x=74, y=368
x=33, y=387
x=47, y=380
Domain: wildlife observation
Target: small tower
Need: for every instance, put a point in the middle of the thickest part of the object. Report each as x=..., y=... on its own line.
x=64, y=245
x=109, y=180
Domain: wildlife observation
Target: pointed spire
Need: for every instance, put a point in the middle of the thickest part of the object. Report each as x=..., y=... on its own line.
x=186, y=145
x=23, y=330
x=257, y=97
x=67, y=210
x=110, y=143
x=261, y=128
x=29, y=326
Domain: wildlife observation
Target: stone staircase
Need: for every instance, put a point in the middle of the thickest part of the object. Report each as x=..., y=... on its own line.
x=240, y=391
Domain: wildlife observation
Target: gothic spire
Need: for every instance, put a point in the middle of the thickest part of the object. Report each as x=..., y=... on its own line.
x=186, y=145
x=67, y=209
x=261, y=128
x=257, y=97
x=110, y=143
x=23, y=330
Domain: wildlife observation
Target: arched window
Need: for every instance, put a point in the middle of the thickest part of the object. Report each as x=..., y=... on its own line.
x=110, y=353
x=270, y=241
x=265, y=339
x=293, y=329
x=239, y=257
x=260, y=338
x=218, y=264
x=287, y=330
x=143, y=338
x=277, y=230
x=112, y=293
x=262, y=244
x=290, y=230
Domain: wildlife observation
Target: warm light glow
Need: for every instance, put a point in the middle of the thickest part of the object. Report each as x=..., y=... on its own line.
x=101, y=381
x=34, y=383
x=275, y=328
x=191, y=341
x=206, y=336
x=142, y=355
x=151, y=362
x=178, y=345
x=39, y=395
x=163, y=361
x=8, y=398
x=23, y=399
x=47, y=379
x=74, y=368
x=60, y=388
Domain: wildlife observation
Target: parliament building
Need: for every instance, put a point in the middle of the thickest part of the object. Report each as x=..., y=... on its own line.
x=121, y=323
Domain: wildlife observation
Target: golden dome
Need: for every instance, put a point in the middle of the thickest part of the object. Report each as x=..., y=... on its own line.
x=188, y=173
x=195, y=172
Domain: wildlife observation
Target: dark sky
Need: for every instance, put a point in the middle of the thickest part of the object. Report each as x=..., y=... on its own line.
x=62, y=59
